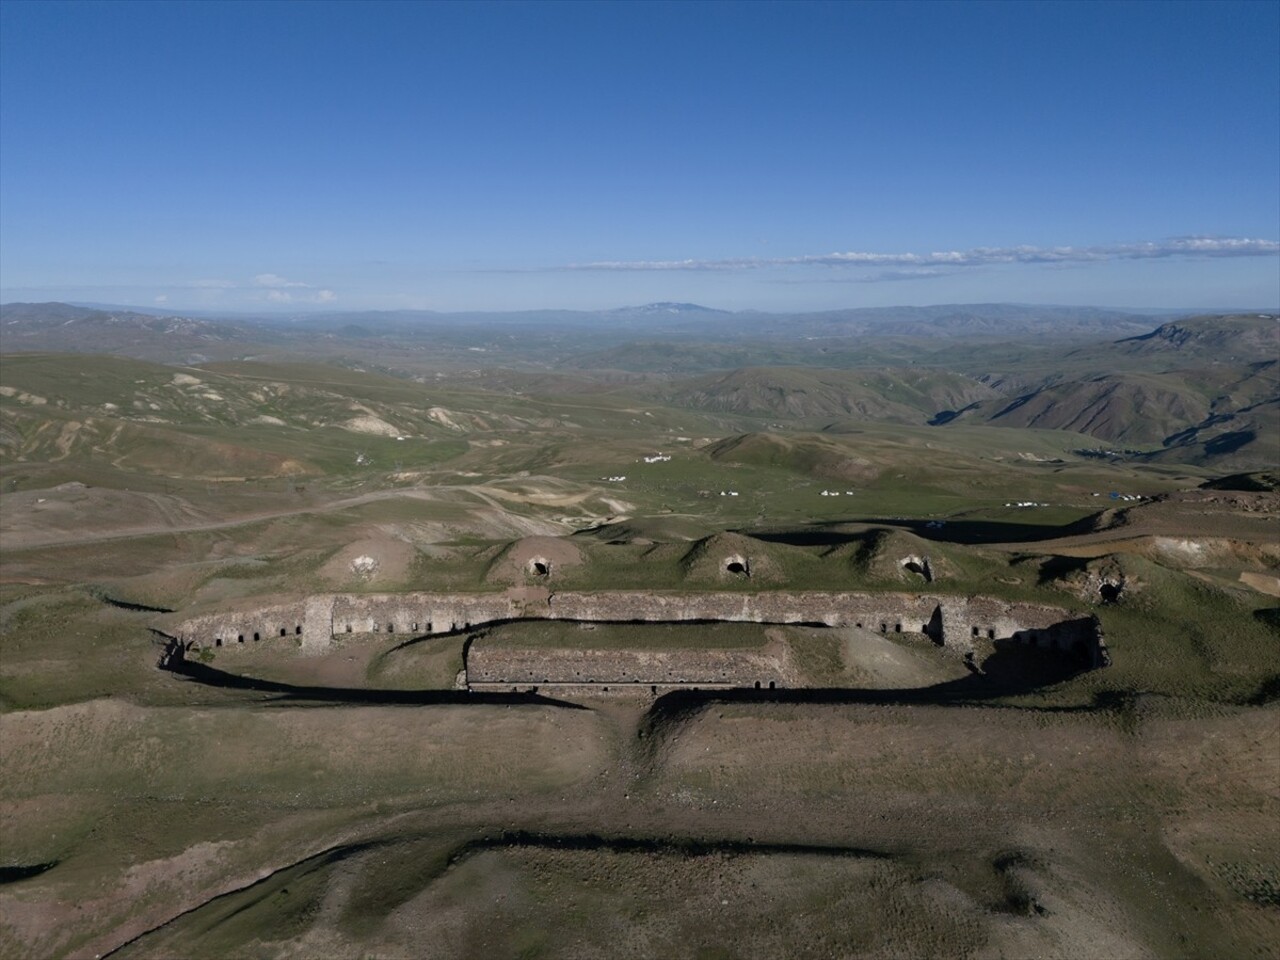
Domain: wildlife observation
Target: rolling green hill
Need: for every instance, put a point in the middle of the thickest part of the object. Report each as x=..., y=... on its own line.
x=1230, y=339
x=1195, y=415
x=893, y=395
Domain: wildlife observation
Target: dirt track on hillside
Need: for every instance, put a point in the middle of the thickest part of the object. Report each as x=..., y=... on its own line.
x=59, y=517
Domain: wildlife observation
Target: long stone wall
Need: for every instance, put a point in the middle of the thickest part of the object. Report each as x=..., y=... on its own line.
x=953, y=623
x=501, y=667
x=280, y=622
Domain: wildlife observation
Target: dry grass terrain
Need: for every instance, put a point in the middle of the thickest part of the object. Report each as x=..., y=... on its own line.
x=893, y=801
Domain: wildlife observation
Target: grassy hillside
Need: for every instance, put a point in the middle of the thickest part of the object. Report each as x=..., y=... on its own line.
x=355, y=803
x=1140, y=408
x=1224, y=414
x=1215, y=339
x=902, y=395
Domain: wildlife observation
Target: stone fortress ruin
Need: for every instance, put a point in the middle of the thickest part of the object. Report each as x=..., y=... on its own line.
x=954, y=625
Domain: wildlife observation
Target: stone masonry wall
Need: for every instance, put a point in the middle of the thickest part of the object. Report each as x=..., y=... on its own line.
x=506, y=666
x=951, y=622
x=277, y=622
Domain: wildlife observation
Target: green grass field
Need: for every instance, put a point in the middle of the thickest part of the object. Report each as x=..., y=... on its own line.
x=910, y=810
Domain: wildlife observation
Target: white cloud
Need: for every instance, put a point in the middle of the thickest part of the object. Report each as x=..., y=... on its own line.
x=162, y=298
x=266, y=287
x=284, y=296
x=922, y=274
x=1179, y=247
x=275, y=281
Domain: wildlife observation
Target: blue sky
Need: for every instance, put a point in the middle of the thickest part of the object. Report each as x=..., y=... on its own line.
x=773, y=156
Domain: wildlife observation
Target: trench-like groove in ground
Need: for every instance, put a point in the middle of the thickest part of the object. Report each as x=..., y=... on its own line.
x=669, y=712
x=509, y=839
x=684, y=846
x=322, y=859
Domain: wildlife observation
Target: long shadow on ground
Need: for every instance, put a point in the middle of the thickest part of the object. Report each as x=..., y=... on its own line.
x=1011, y=670
x=13, y=874
x=953, y=531
x=295, y=693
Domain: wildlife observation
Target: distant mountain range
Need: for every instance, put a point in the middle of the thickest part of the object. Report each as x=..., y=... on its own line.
x=581, y=339
x=1191, y=389
x=668, y=309
x=999, y=318
x=1204, y=389
x=62, y=327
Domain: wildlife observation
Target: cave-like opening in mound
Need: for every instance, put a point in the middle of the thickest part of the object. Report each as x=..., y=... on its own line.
x=737, y=566
x=918, y=565
x=1110, y=591
x=539, y=567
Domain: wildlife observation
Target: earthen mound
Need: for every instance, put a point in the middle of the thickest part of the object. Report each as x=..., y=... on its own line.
x=533, y=559
x=376, y=559
x=897, y=557
x=730, y=557
x=1106, y=579
x=810, y=455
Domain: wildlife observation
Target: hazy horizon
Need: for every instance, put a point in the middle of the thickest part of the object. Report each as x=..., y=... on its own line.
x=304, y=310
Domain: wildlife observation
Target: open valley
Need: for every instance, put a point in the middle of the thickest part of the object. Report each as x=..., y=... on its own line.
x=306, y=660
x=626, y=480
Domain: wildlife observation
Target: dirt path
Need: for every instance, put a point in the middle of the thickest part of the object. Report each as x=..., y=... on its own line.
x=33, y=537
x=175, y=515
x=1262, y=582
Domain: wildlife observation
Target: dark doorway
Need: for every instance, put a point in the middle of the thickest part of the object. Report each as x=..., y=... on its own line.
x=933, y=629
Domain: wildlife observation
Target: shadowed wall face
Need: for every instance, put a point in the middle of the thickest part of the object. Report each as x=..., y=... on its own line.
x=950, y=622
